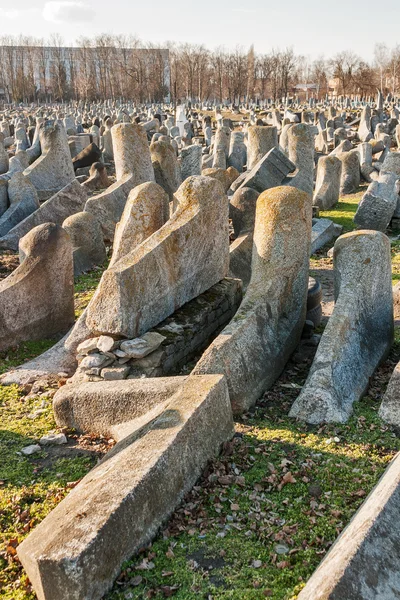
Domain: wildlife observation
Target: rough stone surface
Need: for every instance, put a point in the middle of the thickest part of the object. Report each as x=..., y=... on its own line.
x=132, y=167
x=269, y=172
x=146, y=210
x=364, y=129
x=166, y=167
x=68, y=201
x=301, y=154
x=191, y=161
x=379, y=202
x=53, y=170
x=98, y=178
x=390, y=408
x=359, y=333
x=77, y=551
x=253, y=349
x=87, y=241
x=166, y=270
x=327, y=186
x=237, y=151
x=260, y=140
x=363, y=563
x=23, y=202
x=243, y=212
x=323, y=231
x=37, y=299
x=350, y=178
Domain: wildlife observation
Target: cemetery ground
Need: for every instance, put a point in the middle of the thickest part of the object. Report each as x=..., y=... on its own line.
x=263, y=514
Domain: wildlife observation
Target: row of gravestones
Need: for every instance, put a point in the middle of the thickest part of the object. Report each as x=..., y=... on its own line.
x=171, y=244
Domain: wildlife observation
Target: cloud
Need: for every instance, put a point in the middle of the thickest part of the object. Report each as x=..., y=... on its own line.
x=12, y=13
x=16, y=13
x=243, y=10
x=67, y=11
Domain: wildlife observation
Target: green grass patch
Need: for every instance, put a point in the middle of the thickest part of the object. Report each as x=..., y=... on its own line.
x=344, y=211
x=30, y=486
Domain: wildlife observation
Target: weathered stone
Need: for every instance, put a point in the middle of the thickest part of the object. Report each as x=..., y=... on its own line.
x=301, y=154
x=146, y=210
x=89, y=155
x=390, y=408
x=98, y=178
x=108, y=151
x=350, y=177
x=23, y=202
x=222, y=141
x=284, y=138
x=105, y=343
x=359, y=333
x=77, y=551
x=379, y=202
x=53, y=439
x=64, y=203
x=132, y=167
x=37, y=299
x=219, y=159
x=88, y=346
x=269, y=172
x=260, y=140
x=176, y=263
x=115, y=373
x=366, y=168
x=142, y=346
x=220, y=175
x=87, y=241
x=31, y=449
x=253, y=349
x=327, y=186
x=166, y=167
x=237, y=151
x=190, y=161
x=242, y=209
x=53, y=170
x=364, y=129
x=323, y=231
x=363, y=562
x=4, y=160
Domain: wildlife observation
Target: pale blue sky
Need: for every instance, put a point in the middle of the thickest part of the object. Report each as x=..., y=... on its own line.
x=311, y=28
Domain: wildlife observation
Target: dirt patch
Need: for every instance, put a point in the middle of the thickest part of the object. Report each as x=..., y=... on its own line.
x=8, y=263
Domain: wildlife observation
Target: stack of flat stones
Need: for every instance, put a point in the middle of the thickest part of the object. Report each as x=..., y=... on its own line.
x=105, y=358
x=166, y=348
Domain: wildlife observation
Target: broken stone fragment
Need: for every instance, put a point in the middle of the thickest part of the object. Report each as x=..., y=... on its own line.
x=106, y=343
x=115, y=373
x=32, y=449
x=93, y=361
x=141, y=347
x=53, y=439
x=88, y=346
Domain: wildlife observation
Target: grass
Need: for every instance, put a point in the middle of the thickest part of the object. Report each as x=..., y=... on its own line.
x=344, y=211
x=30, y=487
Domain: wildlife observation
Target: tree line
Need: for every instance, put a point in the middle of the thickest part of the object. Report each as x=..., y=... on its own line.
x=123, y=67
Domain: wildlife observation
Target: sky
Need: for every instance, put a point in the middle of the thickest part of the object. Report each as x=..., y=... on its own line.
x=311, y=28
